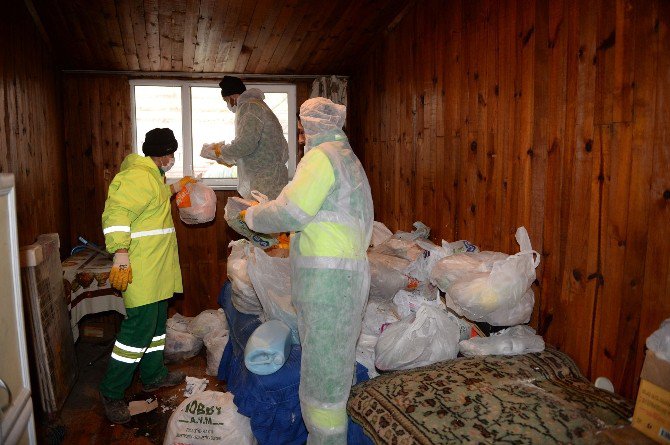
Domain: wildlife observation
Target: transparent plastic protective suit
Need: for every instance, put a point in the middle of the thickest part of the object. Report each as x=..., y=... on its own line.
x=329, y=207
x=489, y=286
x=196, y=203
x=422, y=338
x=259, y=149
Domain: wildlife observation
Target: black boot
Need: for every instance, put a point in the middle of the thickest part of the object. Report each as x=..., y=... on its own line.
x=173, y=378
x=116, y=410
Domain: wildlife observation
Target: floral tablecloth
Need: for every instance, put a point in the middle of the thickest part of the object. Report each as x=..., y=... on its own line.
x=87, y=288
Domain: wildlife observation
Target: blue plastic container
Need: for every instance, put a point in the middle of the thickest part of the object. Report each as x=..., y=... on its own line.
x=268, y=347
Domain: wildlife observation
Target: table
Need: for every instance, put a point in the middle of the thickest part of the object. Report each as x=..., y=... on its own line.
x=87, y=288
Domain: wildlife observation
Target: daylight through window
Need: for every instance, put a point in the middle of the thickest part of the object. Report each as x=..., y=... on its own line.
x=197, y=114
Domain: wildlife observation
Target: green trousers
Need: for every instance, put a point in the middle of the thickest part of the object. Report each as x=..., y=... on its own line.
x=140, y=341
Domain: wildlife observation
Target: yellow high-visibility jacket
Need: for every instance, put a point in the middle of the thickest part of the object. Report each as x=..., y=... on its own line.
x=138, y=217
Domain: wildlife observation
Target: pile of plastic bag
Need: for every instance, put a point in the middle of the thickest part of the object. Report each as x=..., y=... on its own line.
x=185, y=337
x=408, y=323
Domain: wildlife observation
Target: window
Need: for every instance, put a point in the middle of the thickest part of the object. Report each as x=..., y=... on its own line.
x=197, y=114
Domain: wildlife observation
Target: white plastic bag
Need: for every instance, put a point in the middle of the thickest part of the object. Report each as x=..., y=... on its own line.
x=380, y=233
x=180, y=345
x=659, y=341
x=208, y=418
x=271, y=277
x=480, y=284
x=234, y=206
x=365, y=353
x=215, y=342
x=244, y=296
x=511, y=341
x=420, y=231
x=377, y=316
x=409, y=302
x=427, y=337
x=207, y=321
x=387, y=276
x=178, y=322
x=196, y=203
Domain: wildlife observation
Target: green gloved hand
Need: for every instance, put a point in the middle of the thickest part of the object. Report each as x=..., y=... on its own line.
x=121, y=274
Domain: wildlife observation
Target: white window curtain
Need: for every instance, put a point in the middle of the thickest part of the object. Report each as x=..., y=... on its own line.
x=333, y=88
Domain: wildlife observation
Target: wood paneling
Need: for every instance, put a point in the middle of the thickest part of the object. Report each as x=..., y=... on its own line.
x=98, y=136
x=479, y=117
x=264, y=36
x=31, y=141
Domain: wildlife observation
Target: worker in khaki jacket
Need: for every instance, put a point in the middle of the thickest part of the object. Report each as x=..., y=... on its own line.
x=139, y=231
x=328, y=206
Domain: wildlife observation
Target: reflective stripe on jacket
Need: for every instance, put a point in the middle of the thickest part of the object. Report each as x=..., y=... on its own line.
x=138, y=217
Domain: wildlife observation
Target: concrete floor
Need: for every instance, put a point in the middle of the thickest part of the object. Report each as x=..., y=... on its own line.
x=83, y=417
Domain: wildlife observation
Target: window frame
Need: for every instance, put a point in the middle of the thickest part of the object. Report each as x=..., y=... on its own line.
x=187, y=125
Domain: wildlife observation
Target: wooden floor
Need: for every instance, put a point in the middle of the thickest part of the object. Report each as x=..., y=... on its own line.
x=82, y=419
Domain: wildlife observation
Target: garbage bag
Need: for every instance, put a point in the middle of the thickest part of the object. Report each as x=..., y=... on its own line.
x=244, y=296
x=511, y=341
x=378, y=315
x=380, y=233
x=659, y=341
x=196, y=203
x=386, y=276
x=271, y=277
x=208, y=418
x=479, y=284
x=215, y=342
x=420, y=231
x=178, y=322
x=207, y=321
x=409, y=302
x=422, y=338
x=365, y=353
x=234, y=206
x=180, y=345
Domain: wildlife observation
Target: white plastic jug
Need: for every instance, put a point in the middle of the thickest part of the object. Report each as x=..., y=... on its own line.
x=268, y=347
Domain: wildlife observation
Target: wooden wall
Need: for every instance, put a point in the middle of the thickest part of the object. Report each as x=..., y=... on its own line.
x=98, y=136
x=31, y=141
x=477, y=117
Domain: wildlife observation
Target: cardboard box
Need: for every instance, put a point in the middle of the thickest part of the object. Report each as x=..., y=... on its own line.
x=652, y=407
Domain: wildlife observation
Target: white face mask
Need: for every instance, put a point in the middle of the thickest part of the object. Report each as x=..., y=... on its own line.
x=232, y=109
x=169, y=165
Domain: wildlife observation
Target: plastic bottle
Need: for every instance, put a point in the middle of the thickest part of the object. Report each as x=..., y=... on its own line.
x=268, y=347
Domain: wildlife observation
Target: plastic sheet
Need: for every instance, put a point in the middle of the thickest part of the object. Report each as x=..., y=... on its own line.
x=659, y=341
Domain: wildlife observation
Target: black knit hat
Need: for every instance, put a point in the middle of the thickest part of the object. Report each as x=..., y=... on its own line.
x=231, y=85
x=159, y=142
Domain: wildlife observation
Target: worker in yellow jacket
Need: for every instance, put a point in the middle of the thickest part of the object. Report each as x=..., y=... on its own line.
x=139, y=231
x=329, y=207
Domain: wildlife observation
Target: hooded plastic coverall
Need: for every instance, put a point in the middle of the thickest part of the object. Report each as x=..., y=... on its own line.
x=138, y=217
x=259, y=149
x=329, y=207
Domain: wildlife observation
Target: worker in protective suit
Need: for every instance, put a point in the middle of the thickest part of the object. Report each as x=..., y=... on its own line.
x=259, y=149
x=329, y=207
x=139, y=231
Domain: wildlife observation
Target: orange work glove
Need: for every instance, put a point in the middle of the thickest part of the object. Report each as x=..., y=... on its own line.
x=177, y=186
x=121, y=274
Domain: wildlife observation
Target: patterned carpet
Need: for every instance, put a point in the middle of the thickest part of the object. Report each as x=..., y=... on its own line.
x=526, y=399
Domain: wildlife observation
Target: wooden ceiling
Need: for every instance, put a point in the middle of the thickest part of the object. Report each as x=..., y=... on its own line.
x=297, y=37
